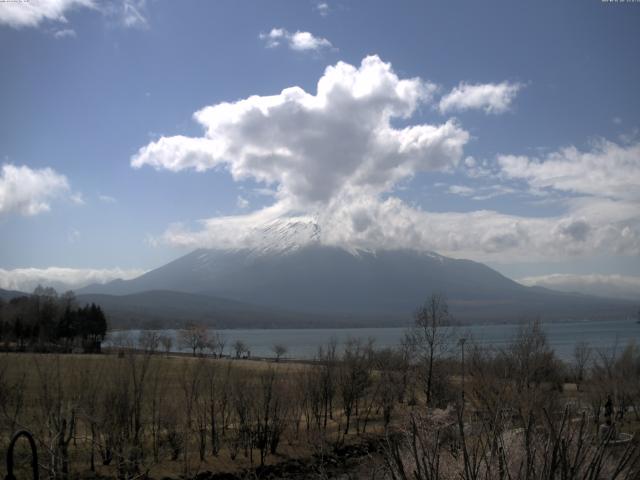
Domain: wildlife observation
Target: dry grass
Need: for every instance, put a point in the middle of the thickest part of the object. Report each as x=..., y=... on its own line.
x=32, y=373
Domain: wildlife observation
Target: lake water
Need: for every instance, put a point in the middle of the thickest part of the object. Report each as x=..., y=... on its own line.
x=304, y=343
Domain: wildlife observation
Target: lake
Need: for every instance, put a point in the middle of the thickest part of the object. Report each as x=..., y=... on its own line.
x=304, y=343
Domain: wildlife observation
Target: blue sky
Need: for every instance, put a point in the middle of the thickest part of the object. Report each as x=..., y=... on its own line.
x=527, y=155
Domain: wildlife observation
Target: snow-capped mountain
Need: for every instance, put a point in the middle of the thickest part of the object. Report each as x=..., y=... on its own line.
x=287, y=235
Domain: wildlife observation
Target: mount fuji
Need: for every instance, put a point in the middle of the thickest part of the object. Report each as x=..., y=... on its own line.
x=290, y=278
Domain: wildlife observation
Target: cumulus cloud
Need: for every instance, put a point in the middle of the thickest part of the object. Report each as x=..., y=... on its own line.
x=300, y=41
x=615, y=286
x=27, y=191
x=608, y=169
x=335, y=158
x=34, y=12
x=339, y=142
x=26, y=279
x=490, y=97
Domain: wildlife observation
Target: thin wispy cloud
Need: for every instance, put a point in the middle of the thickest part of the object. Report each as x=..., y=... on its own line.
x=64, y=33
x=461, y=190
x=133, y=14
x=73, y=236
x=107, y=199
x=77, y=198
x=322, y=8
x=492, y=98
x=299, y=41
x=35, y=13
x=242, y=202
x=479, y=192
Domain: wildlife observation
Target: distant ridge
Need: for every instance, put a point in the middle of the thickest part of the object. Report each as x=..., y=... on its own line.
x=158, y=309
x=7, y=295
x=332, y=283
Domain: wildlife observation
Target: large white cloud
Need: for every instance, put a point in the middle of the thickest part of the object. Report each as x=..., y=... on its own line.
x=611, y=285
x=338, y=142
x=490, y=97
x=26, y=279
x=27, y=191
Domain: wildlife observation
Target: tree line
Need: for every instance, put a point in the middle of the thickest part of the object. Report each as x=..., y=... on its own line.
x=46, y=321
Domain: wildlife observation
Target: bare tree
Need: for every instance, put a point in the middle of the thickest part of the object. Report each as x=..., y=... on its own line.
x=279, y=350
x=391, y=370
x=167, y=342
x=149, y=341
x=615, y=374
x=535, y=378
x=240, y=348
x=581, y=356
x=92, y=381
x=530, y=358
x=194, y=338
x=212, y=387
x=270, y=414
x=157, y=405
x=219, y=342
x=354, y=378
x=432, y=449
x=431, y=335
x=191, y=379
x=328, y=360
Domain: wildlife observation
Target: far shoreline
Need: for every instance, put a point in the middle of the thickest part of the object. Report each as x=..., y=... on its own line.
x=380, y=327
